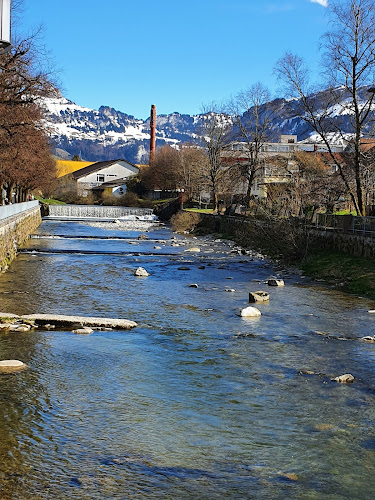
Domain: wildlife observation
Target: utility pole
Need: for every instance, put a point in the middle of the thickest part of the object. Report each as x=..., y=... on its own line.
x=5, y=25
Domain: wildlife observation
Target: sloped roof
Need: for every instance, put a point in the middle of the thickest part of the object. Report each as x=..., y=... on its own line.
x=65, y=167
x=367, y=144
x=95, y=167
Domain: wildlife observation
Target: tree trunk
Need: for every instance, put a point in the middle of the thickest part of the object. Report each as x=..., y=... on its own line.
x=249, y=186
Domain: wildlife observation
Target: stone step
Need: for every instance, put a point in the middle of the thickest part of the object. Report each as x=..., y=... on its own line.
x=63, y=321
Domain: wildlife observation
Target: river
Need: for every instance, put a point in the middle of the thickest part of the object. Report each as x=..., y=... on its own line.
x=196, y=402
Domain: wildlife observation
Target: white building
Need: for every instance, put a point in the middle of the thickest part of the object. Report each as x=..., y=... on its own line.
x=270, y=173
x=102, y=175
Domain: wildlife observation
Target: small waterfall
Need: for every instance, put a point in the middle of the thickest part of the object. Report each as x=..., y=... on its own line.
x=97, y=212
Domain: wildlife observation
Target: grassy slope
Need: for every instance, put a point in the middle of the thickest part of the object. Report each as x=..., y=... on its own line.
x=200, y=210
x=50, y=201
x=357, y=273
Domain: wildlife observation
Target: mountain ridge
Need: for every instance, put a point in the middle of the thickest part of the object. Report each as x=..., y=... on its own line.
x=107, y=133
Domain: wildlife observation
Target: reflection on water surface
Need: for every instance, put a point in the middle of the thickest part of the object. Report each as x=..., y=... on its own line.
x=182, y=406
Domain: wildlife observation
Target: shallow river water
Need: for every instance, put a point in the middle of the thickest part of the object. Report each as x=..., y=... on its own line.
x=196, y=402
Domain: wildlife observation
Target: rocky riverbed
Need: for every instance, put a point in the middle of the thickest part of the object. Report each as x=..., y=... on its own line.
x=195, y=401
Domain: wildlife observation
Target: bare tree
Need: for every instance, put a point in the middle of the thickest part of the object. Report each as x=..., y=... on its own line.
x=252, y=119
x=194, y=170
x=214, y=134
x=313, y=184
x=349, y=65
x=164, y=171
x=25, y=157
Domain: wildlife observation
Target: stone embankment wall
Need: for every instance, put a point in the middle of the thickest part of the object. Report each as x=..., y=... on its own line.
x=14, y=231
x=284, y=238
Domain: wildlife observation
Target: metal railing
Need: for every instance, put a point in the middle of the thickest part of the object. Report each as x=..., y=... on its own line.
x=348, y=224
x=9, y=210
x=364, y=226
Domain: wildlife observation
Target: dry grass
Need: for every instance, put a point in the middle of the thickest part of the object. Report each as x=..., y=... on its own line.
x=185, y=221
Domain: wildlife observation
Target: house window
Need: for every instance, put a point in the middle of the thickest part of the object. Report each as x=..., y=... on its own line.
x=100, y=177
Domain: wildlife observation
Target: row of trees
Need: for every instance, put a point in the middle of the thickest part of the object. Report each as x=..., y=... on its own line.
x=349, y=75
x=25, y=157
x=347, y=88
x=215, y=165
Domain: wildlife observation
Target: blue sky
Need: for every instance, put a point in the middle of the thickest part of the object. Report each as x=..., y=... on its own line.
x=129, y=54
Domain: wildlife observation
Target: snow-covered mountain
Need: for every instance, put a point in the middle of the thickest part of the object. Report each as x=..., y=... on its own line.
x=106, y=133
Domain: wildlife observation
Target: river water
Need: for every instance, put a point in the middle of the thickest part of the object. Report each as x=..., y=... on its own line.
x=196, y=402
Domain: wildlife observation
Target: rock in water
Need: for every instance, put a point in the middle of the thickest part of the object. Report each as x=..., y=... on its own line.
x=193, y=249
x=20, y=328
x=12, y=365
x=275, y=282
x=250, y=312
x=347, y=378
x=368, y=339
x=140, y=271
x=258, y=296
x=83, y=331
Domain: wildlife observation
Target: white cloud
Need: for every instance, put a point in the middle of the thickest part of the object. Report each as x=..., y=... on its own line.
x=320, y=2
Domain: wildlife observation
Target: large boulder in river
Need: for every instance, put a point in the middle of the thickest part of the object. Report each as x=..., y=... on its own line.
x=275, y=282
x=140, y=271
x=250, y=312
x=19, y=327
x=259, y=296
x=344, y=379
x=12, y=365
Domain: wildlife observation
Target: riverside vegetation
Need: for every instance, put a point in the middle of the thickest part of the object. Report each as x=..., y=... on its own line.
x=355, y=275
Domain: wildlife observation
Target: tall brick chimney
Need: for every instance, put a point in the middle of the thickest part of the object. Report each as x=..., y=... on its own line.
x=152, y=133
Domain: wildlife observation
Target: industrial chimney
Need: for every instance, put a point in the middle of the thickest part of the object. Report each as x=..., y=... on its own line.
x=152, y=133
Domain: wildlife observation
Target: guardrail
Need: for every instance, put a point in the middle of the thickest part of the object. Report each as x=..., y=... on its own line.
x=364, y=226
x=349, y=224
x=9, y=210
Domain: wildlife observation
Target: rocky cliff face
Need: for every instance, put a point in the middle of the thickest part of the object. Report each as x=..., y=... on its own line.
x=106, y=133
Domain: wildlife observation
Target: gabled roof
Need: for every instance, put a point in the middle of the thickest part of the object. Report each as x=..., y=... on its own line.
x=95, y=167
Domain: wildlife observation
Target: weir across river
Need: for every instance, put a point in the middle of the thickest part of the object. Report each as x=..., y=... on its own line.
x=97, y=212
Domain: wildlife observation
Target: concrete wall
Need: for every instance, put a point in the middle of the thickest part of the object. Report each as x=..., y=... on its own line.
x=359, y=246
x=14, y=231
x=9, y=210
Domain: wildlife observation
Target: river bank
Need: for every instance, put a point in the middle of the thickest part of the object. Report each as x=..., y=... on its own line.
x=354, y=275
x=338, y=269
